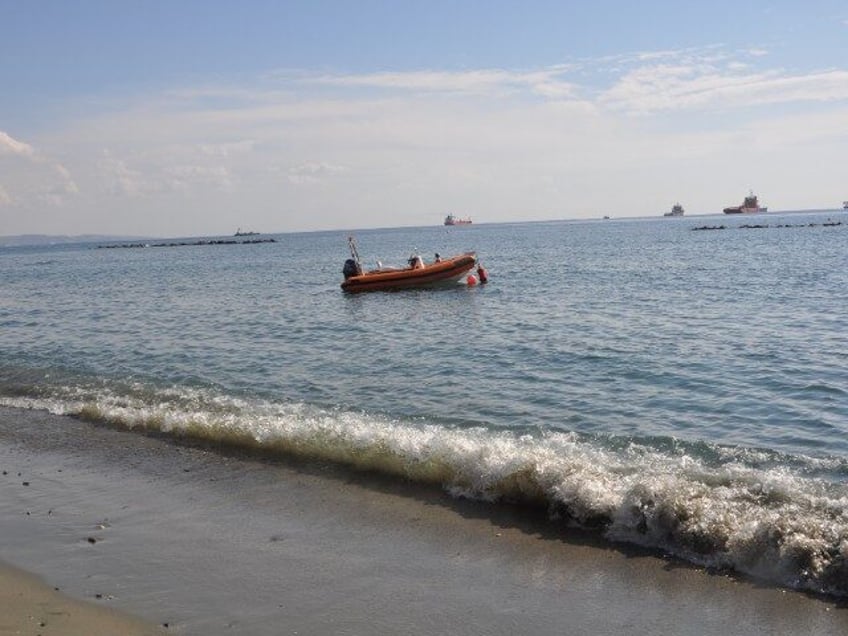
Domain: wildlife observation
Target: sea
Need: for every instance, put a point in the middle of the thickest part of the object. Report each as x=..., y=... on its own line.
x=678, y=384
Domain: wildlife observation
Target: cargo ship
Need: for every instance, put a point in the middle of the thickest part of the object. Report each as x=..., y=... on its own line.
x=452, y=219
x=676, y=210
x=749, y=206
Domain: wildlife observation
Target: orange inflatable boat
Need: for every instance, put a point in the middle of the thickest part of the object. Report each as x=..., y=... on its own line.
x=446, y=271
x=441, y=272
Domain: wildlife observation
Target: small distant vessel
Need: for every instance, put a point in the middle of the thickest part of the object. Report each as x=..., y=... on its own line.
x=749, y=206
x=845, y=205
x=440, y=273
x=452, y=219
x=676, y=210
x=240, y=233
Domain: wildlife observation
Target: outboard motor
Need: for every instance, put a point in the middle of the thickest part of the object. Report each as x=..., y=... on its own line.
x=351, y=268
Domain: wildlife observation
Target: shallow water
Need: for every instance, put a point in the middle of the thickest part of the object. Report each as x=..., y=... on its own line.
x=674, y=388
x=216, y=543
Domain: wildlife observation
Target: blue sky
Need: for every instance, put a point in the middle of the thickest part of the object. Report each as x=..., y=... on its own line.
x=186, y=118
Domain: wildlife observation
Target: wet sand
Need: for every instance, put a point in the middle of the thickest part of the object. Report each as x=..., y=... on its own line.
x=211, y=543
x=29, y=606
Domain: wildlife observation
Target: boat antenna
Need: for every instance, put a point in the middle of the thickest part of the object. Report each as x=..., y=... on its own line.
x=353, y=251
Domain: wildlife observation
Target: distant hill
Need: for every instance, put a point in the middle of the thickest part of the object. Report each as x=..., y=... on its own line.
x=52, y=239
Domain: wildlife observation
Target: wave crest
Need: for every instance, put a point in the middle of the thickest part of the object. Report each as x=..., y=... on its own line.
x=721, y=509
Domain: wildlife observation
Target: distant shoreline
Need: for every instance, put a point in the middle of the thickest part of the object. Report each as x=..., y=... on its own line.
x=36, y=240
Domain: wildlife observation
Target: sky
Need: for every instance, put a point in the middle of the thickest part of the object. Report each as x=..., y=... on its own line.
x=198, y=117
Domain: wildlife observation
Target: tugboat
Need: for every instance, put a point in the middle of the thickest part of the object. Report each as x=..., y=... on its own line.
x=676, y=210
x=749, y=206
x=452, y=219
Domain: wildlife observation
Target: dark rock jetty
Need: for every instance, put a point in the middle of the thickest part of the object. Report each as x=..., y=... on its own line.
x=188, y=243
x=762, y=226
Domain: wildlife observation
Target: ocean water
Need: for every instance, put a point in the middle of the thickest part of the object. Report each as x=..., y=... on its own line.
x=676, y=388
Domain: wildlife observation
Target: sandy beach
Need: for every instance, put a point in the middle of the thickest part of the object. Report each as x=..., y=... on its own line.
x=30, y=606
x=127, y=525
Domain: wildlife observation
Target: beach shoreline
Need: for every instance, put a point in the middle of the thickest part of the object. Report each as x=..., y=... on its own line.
x=214, y=543
x=28, y=605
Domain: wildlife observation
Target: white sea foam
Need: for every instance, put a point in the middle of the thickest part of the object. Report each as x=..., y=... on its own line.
x=737, y=511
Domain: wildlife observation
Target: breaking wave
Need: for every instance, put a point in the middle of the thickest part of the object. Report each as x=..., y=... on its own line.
x=772, y=516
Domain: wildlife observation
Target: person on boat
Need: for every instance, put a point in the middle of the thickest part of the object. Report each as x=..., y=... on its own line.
x=416, y=262
x=438, y=258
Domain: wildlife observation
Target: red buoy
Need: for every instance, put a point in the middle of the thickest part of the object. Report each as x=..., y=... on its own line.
x=471, y=280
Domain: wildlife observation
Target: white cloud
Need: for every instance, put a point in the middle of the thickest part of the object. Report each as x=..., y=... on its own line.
x=10, y=146
x=313, y=172
x=666, y=87
x=229, y=148
x=554, y=142
x=120, y=179
x=32, y=176
x=546, y=82
x=159, y=171
x=58, y=192
x=185, y=177
x=67, y=183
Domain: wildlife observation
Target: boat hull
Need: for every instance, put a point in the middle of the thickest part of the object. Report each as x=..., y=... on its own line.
x=443, y=273
x=743, y=210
